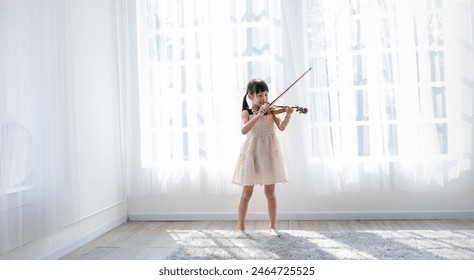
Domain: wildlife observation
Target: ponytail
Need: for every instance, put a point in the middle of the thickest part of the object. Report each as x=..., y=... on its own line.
x=245, y=105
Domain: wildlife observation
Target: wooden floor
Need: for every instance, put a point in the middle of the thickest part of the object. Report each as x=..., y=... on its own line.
x=155, y=240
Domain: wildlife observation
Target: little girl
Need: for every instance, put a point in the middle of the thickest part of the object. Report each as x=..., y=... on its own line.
x=260, y=161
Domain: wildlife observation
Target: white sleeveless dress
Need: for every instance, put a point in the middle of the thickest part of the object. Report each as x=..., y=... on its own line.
x=260, y=161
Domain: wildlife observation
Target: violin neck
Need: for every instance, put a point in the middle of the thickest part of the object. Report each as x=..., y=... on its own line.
x=283, y=106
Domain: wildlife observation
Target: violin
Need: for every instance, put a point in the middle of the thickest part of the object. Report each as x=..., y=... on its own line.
x=278, y=109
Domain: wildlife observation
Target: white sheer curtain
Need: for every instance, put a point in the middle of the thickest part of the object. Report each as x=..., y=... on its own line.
x=196, y=58
x=35, y=185
x=389, y=105
x=387, y=94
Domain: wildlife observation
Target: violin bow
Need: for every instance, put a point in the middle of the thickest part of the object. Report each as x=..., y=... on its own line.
x=297, y=80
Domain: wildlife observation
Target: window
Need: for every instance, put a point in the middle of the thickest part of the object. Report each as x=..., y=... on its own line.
x=382, y=94
x=198, y=58
x=374, y=72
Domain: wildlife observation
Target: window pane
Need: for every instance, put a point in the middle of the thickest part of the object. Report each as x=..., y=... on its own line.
x=321, y=139
x=385, y=41
x=251, y=41
x=354, y=7
x=389, y=112
x=435, y=27
x=201, y=120
x=255, y=10
x=184, y=114
x=387, y=68
x=433, y=138
x=437, y=65
x=363, y=140
x=361, y=105
x=315, y=39
x=358, y=70
x=439, y=102
x=319, y=77
x=257, y=42
x=321, y=109
x=356, y=34
x=202, y=145
x=391, y=136
x=442, y=130
x=185, y=147
x=258, y=69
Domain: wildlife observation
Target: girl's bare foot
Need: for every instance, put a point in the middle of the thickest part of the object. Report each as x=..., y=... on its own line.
x=275, y=232
x=242, y=234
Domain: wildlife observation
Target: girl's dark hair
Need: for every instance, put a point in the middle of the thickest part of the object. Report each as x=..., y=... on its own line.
x=254, y=86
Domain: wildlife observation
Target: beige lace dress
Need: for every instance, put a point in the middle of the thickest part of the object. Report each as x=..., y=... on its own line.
x=260, y=161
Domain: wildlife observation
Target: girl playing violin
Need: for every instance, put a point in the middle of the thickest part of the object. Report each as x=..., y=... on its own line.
x=260, y=161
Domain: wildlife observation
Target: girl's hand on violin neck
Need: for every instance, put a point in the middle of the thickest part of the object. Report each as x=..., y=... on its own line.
x=289, y=110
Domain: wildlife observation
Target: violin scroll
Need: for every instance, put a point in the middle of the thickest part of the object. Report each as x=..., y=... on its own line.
x=301, y=110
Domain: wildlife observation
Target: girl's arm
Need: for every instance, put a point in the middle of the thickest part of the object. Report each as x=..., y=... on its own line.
x=282, y=124
x=248, y=123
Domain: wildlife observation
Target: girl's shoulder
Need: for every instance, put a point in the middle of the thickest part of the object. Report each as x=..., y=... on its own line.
x=249, y=111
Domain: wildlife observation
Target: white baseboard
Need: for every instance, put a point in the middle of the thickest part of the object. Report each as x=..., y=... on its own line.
x=463, y=215
x=72, y=236
x=86, y=238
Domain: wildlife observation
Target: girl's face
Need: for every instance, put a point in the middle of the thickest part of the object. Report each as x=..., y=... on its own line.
x=260, y=98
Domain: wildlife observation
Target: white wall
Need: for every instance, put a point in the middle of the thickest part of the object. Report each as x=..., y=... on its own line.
x=98, y=202
x=96, y=88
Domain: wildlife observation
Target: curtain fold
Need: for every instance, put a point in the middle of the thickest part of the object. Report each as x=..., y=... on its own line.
x=35, y=174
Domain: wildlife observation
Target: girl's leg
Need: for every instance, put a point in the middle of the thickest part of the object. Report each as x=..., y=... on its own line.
x=272, y=204
x=247, y=192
